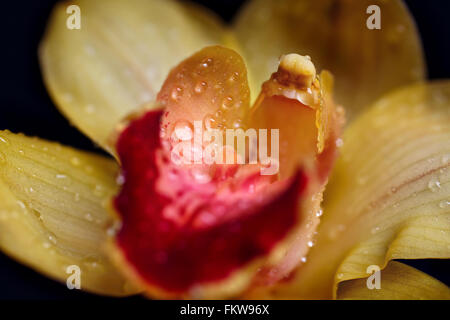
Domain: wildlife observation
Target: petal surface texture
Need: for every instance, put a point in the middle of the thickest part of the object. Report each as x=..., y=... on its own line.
x=366, y=63
x=119, y=58
x=214, y=229
x=52, y=213
x=388, y=197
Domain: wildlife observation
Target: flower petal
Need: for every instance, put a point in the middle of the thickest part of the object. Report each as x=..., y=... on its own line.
x=119, y=58
x=398, y=282
x=366, y=63
x=52, y=212
x=389, y=195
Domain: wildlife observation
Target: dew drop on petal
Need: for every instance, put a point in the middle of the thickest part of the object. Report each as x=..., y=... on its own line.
x=375, y=230
x=201, y=175
x=339, y=143
x=75, y=161
x=99, y=190
x=200, y=87
x=120, y=180
x=21, y=204
x=444, y=204
x=434, y=184
x=4, y=140
x=176, y=93
x=89, y=108
x=237, y=123
x=227, y=103
x=183, y=130
x=445, y=159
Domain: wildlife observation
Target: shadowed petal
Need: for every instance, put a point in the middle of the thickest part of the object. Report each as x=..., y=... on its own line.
x=366, y=63
x=398, y=282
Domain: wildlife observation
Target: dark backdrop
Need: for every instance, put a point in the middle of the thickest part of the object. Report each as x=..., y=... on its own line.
x=26, y=107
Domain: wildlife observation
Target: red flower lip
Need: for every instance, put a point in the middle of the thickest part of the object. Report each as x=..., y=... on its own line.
x=176, y=255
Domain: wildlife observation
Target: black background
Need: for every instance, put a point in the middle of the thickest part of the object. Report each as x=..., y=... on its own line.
x=26, y=107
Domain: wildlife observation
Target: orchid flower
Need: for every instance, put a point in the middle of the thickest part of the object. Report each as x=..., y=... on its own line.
x=138, y=75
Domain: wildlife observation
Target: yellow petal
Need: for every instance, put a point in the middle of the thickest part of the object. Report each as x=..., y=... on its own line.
x=389, y=195
x=119, y=58
x=397, y=282
x=366, y=63
x=52, y=211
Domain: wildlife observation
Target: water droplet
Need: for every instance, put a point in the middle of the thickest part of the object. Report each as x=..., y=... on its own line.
x=444, y=204
x=67, y=97
x=233, y=77
x=91, y=261
x=206, y=63
x=114, y=228
x=209, y=122
x=120, y=180
x=319, y=213
x=90, y=50
x=445, y=159
x=176, y=93
x=21, y=204
x=340, y=275
x=310, y=244
x=75, y=161
x=52, y=238
x=303, y=259
x=339, y=143
x=336, y=231
x=183, y=130
x=375, y=230
x=362, y=180
x=4, y=140
x=200, y=87
x=237, y=123
x=61, y=176
x=200, y=174
x=227, y=103
x=99, y=190
x=21, y=152
x=89, y=108
x=434, y=185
